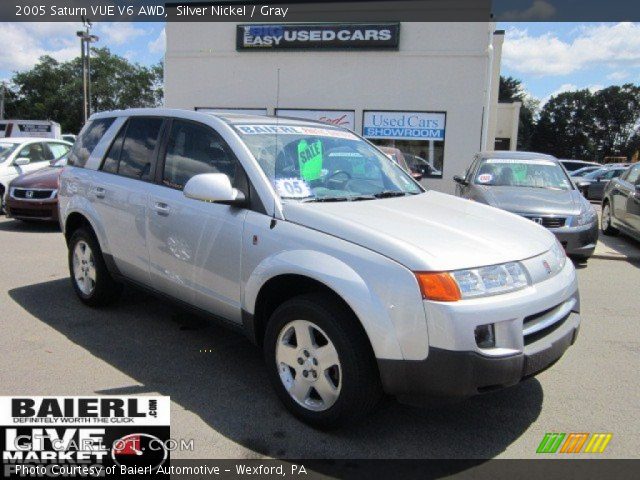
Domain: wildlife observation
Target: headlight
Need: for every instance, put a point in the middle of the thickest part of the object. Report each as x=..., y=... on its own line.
x=586, y=217
x=475, y=282
x=559, y=257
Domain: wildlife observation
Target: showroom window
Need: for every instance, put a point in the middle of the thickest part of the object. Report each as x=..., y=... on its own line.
x=420, y=136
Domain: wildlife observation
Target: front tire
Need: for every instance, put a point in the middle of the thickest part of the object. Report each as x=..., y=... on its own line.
x=605, y=222
x=90, y=277
x=320, y=362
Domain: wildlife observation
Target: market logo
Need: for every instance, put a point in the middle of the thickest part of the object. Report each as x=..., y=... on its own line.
x=574, y=442
x=317, y=36
x=80, y=436
x=139, y=450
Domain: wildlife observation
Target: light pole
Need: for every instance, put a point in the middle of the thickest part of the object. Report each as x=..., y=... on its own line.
x=86, y=39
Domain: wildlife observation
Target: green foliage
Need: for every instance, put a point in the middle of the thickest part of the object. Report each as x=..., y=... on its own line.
x=53, y=90
x=590, y=126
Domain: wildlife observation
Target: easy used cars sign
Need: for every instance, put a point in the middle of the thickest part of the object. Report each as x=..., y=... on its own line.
x=317, y=36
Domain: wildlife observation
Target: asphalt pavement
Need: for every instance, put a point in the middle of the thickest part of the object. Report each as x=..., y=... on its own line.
x=51, y=344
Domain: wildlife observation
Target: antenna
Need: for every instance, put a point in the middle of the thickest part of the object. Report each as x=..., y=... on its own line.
x=275, y=152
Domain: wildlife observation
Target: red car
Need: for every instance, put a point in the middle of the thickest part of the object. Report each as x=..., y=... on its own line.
x=34, y=195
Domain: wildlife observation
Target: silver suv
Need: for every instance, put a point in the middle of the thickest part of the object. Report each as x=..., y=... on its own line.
x=352, y=278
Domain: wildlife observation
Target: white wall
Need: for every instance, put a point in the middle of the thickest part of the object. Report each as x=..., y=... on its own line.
x=507, y=122
x=439, y=67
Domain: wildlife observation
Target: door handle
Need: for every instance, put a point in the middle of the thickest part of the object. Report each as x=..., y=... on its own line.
x=162, y=208
x=100, y=192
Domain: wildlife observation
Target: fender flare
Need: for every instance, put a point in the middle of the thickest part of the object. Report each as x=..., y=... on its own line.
x=85, y=208
x=339, y=277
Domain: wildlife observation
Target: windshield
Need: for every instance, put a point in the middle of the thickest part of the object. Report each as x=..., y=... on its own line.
x=522, y=173
x=324, y=164
x=595, y=173
x=6, y=149
x=582, y=171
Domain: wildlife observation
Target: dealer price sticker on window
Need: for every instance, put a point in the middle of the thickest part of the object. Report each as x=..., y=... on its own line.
x=292, y=188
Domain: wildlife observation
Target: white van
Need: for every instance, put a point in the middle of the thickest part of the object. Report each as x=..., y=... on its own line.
x=30, y=128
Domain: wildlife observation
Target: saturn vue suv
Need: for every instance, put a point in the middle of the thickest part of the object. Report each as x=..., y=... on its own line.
x=351, y=277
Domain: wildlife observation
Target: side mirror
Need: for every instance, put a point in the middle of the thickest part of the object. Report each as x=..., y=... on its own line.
x=417, y=176
x=214, y=188
x=20, y=161
x=458, y=179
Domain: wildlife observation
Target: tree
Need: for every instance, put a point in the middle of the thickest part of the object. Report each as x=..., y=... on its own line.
x=53, y=90
x=511, y=90
x=564, y=127
x=616, y=120
x=590, y=125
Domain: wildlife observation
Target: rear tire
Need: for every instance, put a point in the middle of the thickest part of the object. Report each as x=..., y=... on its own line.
x=320, y=362
x=90, y=277
x=605, y=222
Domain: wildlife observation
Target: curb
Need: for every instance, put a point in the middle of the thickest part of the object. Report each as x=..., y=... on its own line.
x=634, y=258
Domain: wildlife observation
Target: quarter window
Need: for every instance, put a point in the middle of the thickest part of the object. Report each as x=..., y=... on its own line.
x=194, y=149
x=87, y=141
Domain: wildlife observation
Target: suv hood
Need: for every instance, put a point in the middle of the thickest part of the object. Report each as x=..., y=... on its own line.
x=533, y=200
x=430, y=231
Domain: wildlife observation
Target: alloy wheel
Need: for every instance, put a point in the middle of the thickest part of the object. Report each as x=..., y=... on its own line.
x=84, y=268
x=308, y=365
x=606, y=217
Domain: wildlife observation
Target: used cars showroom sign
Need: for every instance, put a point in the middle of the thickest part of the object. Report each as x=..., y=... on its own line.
x=317, y=36
x=404, y=125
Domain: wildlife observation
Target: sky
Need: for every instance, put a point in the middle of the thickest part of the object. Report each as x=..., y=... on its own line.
x=548, y=58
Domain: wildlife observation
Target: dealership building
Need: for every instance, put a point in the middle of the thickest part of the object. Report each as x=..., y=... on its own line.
x=428, y=89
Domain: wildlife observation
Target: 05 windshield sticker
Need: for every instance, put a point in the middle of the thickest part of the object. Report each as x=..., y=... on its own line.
x=294, y=130
x=310, y=159
x=485, y=178
x=292, y=188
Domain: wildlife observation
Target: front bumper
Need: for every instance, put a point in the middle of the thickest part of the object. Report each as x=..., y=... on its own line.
x=532, y=329
x=580, y=241
x=449, y=373
x=32, y=210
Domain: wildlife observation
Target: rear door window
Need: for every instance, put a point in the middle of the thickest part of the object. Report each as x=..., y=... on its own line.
x=87, y=141
x=133, y=150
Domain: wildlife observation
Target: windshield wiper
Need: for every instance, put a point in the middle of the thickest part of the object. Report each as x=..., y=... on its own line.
x=354, y=198
x=389, y=193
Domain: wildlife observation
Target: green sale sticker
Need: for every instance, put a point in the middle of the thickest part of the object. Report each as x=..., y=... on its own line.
x=310, y=159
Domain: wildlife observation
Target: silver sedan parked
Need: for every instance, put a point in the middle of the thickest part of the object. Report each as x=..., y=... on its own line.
x=534, y=186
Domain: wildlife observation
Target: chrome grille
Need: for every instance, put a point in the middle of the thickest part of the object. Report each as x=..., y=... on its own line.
x=548, y=222
x=32, y=193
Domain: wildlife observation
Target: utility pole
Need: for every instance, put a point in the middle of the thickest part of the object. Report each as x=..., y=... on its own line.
x=3, y=89
x=86, y=39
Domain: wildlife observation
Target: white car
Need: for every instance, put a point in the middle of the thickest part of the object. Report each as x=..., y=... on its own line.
x=352, y=278
x=20, y=155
